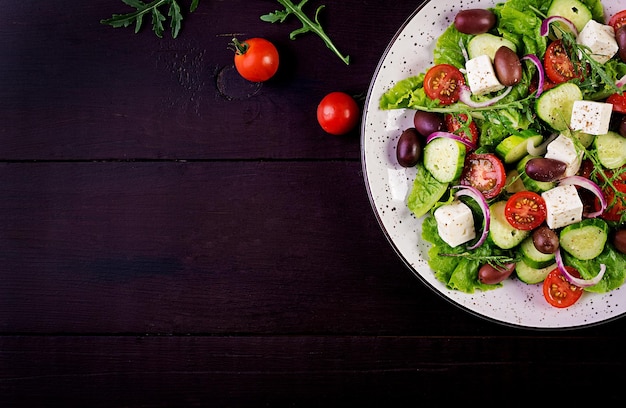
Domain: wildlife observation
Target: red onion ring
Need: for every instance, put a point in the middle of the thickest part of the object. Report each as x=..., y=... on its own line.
x=470, y=145
x=588, y=185
x=466, y=93
x=484, y=207
x=621, y=82
x=581, y=283
x=541, y=73
x=545, y=25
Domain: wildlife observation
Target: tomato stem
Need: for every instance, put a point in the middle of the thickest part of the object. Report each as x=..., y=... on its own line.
x=239, y=47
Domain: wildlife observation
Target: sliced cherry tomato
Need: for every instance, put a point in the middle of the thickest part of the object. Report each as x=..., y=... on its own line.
x=616, y=204
x=525, y=210
x=256, y=59
x=337, y=113
x=457, y=123
x=558, y=291
x=442, y=82
x=485, y=172
x=534, y=84
x=618, y=20
x=618, y=101
x=559, y=68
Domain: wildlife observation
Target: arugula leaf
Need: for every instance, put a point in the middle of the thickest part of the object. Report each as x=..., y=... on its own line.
x=154, y=9
x=308, y=25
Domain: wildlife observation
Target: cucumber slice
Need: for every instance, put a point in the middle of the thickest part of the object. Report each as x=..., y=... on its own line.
x=532, y=185
x=533, y=257
x=573, y=10
x=501, y=233
x=530, y=275
x=586, y=139
x=611, y=149
x=513, y=148
x=444, y=159
x=555, y=105
x=585, y=239
x=487, y=44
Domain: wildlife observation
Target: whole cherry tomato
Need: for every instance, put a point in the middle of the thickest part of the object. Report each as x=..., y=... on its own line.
x=256, y=59
x=337, y=113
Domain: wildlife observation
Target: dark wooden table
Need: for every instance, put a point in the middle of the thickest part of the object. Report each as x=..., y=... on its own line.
x=171, y=235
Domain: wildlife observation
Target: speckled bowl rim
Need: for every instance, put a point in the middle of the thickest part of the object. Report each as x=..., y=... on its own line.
x=515, y=304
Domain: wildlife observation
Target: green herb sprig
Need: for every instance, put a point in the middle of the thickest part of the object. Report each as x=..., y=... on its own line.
x=154, y=10
x=497, y=261
x=308, y=25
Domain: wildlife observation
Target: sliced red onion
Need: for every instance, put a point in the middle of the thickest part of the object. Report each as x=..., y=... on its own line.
x=466, y=93
x=540, y=72
x=463, y=50
x=591, y=186
x=542, y=148
x=621, y=82
x=452, y=136
x=484, y=207
x=581, y=283
x=545, y=25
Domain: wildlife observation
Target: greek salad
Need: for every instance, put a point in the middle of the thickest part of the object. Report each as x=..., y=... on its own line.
x=519, y=141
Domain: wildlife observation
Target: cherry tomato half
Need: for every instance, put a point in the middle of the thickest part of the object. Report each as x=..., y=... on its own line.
x=256, y=59
x=558, y=291
x=485, y=172
x=618, y=101
x=559, y=68
x=337, y=113
x=618, y=20
x=457, y=123
x=442, y=82
x=525, y=210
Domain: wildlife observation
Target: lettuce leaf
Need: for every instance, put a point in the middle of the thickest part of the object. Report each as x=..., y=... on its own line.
x=518, y=22
x=448, y=47
x=615, y=268
x=405, y=93
x=425, y=193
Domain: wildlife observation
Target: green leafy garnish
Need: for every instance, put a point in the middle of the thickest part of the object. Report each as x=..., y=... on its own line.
x=308, y=25
x=154, y=10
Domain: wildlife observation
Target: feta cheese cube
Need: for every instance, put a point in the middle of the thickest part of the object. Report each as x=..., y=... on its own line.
x=481, y=76
x=591, y=117
x=455, y=223
x=563, y=205
x=600, y=39
x=563, y=149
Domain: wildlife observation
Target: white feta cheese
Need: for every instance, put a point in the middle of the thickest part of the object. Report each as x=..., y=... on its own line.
x=455, y=223
x=591, y=117
x=481, y=76
x=563, y=205
x=600, y=39
x=563, y=149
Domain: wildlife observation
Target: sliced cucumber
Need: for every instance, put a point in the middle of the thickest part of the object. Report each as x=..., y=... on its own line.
x=555, y=105
x=514, y=182
x=444, y=159
x=514, y=147
x=487, y=44
x=532, y=256
x=611, y=149
x=530, y=275
x=586, y=139
x=532, y=185
x=573, y=10
x=501, y=233
x=585, y=239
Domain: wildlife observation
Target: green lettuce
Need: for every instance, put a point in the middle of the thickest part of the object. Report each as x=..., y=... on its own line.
x=425, y=193
x=615, y=268
x=448, y=47
x=519, y=23
x=406, y=93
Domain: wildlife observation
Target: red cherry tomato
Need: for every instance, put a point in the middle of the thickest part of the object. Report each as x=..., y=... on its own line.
x=618, y=101
x=616, y=205
x=618, y=20
x=338, y=113
x=442, y=82
x=457, y=123
x=525, y=210
x=558, y=291
x=256, y=59
x=559, y=68
x=485, y=172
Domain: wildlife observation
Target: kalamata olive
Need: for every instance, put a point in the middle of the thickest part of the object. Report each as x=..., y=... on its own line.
x=409, y=149
x=507, y=66
x=622, y=126
x=619, y=240
x=545, y=240
x=427, y=122
x=474, y=21
x=544, y=169
x=490, y=275
x=620, y=37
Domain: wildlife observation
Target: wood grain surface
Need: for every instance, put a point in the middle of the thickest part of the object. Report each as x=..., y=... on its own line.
x=172, y=235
